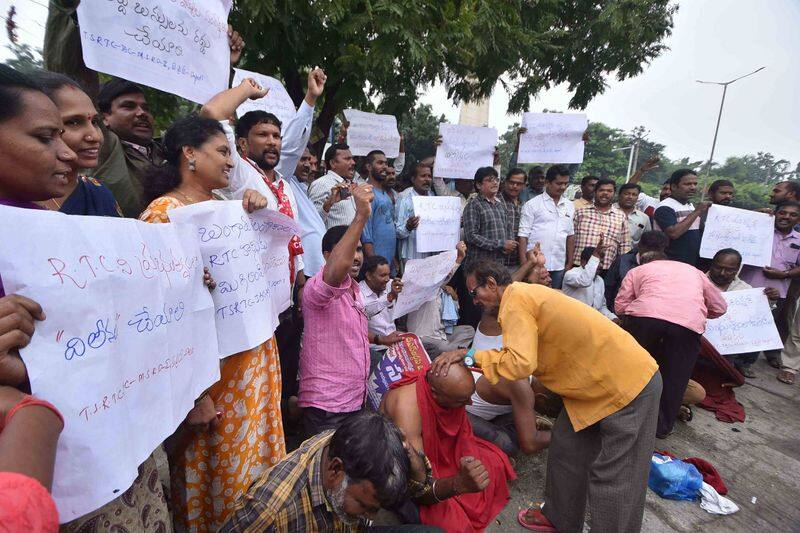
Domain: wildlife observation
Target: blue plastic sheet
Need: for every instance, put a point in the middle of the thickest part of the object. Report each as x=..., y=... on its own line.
x=673, y=479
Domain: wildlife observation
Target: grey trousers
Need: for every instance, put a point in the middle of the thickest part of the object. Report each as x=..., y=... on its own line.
x=609, y=460
x=460, y=338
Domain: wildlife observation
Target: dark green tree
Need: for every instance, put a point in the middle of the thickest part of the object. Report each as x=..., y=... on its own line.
x=25, y=57
x=420, y=128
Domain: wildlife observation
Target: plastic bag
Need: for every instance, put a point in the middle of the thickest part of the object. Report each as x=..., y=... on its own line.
x=673, y=479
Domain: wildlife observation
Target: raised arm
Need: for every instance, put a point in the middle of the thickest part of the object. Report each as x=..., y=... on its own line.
x=222, y=106
x=647, y=166
x=340, y=260
x=297, y=131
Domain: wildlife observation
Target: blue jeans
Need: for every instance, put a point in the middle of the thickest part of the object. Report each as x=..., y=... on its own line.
x=557, y=277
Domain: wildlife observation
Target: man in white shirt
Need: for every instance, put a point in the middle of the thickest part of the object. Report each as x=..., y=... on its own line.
x=405, y=221
x=379, y=299
x=638, y=221
x=548, y=220
x=584, y=284
x=331, y=192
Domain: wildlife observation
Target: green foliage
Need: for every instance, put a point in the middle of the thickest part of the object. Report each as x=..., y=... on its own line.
x=25, y=57
x=420, y=129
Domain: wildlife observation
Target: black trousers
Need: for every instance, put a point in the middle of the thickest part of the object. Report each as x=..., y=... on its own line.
x=315, y=421
x=675, y=349
x=288, y=336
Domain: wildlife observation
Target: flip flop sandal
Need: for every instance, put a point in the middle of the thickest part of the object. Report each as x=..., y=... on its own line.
x=541, y=523
x=774, y=363
x=785, y=377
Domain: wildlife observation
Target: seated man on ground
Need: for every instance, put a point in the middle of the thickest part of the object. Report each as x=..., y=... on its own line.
x=334, y=481
x=468, y=487
x=584, y=282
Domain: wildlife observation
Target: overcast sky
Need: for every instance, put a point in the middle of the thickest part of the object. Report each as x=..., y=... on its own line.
x=715, y=40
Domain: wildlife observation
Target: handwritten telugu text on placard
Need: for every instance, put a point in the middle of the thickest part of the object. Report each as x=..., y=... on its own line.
x=277, y=101
x=464, y=150
x=370, y=131
x=421, y=279
x=248, y=257
x=127, y=346
x=747, y=326
x=552, y=138
x=747, y=232
x=439, y=222
x=179, y=47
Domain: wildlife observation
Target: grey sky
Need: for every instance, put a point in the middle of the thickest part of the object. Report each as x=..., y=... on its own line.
x=712, y=40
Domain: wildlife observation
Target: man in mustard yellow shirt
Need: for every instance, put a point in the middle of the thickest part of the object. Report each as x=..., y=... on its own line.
x=603, y=440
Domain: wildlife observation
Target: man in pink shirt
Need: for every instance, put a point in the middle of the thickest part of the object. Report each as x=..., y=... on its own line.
x=665, y=305
x=334, y=361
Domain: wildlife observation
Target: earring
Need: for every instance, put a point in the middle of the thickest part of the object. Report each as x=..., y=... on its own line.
x=192, y=166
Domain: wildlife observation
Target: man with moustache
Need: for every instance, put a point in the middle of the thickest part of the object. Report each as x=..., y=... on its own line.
x=331, y=193
x=679, y=219
x=601, y=220
x=379, y=237
x=405, y=221
x=488, y=231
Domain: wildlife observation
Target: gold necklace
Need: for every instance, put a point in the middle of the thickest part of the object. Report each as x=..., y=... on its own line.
x=186, y=196
x=58, y=205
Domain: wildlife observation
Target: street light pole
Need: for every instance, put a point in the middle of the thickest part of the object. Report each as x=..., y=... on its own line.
x=719, y=118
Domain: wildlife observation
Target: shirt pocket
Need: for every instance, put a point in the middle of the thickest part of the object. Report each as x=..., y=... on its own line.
x=563, y=225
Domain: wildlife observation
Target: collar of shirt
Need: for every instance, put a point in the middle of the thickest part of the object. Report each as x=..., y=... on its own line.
x=635, y=211
x=316, y=488
x=144, y=150
x=514, y=201
x=494, y=199
x=338, y=178
x=792, y=235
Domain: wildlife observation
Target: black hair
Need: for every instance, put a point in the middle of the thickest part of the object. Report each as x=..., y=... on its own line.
x=586, y=254
x=332, y=151
x=12, y=85
x=483, y=269
x=484, y=172
x=787, y=203
x=52, y=82
x=253, y=118
x=372, y=262
x=370, y=447
x=654, y=240
x=370, y=157
x=626, y=186
x=587, y=179
x=794, y=186
x=113, y=89
x=515, y=172
x=647, y=257
x=728, y=251
x=332, y=237
x=555, y=171
x=537, y=168
x=605, y=181
x=678, y=175
x=717, y=184
x=191, y=130
x=415, y=169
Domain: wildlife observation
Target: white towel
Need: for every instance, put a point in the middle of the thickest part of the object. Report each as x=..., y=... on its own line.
x=712, y=502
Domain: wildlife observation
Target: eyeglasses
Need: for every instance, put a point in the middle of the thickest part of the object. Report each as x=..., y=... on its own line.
x=474, y=292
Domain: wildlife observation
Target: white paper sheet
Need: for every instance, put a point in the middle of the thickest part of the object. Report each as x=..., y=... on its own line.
x=421, y=278
x=370, y=131
x=177, y=47
x=747, y=326
x=552, y=138
x=127, y=345
x=277, y=101
x=439, y=222
x=464, y=150
x=248, y=257
x=747, y=232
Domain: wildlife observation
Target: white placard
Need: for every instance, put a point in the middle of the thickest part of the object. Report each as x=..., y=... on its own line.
x=177, y=47
x=747, y=325
x=127, y=345
x=464, y=150
x=421, y=278
x=370, y=131
x=277, y=101
x=439, y=222
x=747, y=232
x=552, y=138
x=248, y=257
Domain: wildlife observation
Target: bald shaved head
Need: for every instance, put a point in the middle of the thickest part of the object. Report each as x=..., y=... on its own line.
x=453, y=390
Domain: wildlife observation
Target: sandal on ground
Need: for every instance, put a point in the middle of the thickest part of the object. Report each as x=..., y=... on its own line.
x=685, y=413
x=786, y=377
x=774, y=363
x=533, y=520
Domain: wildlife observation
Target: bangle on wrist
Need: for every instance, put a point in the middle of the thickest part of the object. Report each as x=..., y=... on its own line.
x=30, y=401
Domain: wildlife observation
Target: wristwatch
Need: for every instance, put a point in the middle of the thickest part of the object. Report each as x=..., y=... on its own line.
x=469, y=357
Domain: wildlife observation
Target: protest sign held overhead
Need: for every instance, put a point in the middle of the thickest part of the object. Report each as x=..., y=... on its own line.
x=552, y=138
x=464, y=150
x=421, y=278
x=370, y=131
x=177, y=47
x=277, y=101
x=748, y=232
x=127, y=346
x=747, y=325
x=439, y=222
x=248, y=257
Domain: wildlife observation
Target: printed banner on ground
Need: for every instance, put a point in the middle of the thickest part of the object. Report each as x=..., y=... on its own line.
x=277, y=101
x=370, y=131
x=405, y=356
x=747, y=232
x=747, y=326
x=248, y=257
x=439, y=222
x=552, y=138
x=176, y=47
x=421, y=279
x=464, y=150
x=127, y=345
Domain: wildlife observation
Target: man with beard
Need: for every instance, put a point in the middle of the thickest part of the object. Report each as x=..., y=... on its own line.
x=305, y=169
x=536, y=183
x=721, y=192
x=406, y=221
x=602, y=442
x=335, y=358
x=379, y=237
x=602, y=219
x=335, y=481
x=331, y=193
